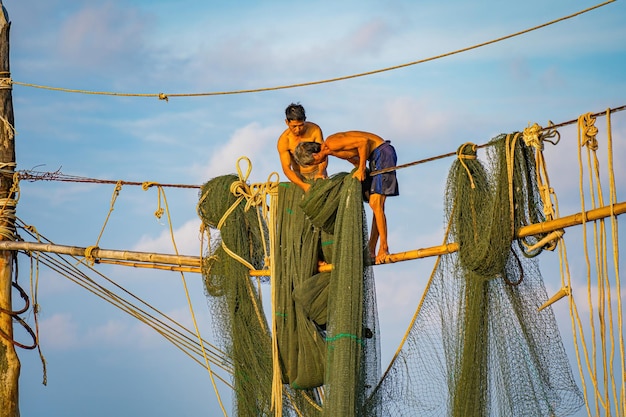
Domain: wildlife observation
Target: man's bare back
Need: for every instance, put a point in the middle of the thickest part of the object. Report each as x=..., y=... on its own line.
x=354, y=146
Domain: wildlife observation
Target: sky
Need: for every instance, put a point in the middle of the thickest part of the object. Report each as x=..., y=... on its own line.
x=100, y=360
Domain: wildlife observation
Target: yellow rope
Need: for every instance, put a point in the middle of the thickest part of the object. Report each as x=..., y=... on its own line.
x=276, y=400
x=165, y=97
x=599, y=367
x=615, y=242
x=145, y=186
x=8, y=131
x=534, y=136
x=158, y=214
x=89, y=250
x=174, y=336
x=462, y=157
x=8, y=205
x=34, y=295
x=510, y=161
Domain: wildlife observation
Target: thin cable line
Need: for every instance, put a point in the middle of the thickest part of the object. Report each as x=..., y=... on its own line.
x=33, y=176
x=163, y=96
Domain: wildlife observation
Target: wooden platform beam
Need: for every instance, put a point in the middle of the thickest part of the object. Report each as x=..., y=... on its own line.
x=193, y=263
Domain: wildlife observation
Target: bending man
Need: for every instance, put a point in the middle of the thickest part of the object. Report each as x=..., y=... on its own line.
x=358, y=147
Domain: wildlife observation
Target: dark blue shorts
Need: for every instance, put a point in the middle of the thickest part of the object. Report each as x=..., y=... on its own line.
x=384, y=156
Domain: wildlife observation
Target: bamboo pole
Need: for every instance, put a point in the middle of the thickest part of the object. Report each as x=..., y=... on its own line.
x=193, y=263
x=9, y=361
x=99, y=255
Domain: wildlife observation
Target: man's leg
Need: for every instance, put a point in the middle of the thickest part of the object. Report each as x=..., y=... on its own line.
x=379, y=227
x=373, y=238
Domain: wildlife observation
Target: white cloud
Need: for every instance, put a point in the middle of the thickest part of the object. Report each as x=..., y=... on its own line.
x=408, y=116
x=59, y=332
x=254, y=141
x=101, y=35
x=187, y=240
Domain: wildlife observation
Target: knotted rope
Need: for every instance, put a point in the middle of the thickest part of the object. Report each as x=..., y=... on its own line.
x=535, y=136
x=8, y=204
x=255, y=196
x=90, y=259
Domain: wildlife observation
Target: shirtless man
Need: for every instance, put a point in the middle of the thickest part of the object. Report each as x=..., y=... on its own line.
x=358, y=147
x=299, y=130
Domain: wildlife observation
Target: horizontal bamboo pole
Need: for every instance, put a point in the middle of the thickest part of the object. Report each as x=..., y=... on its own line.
x=103, y=254
x=179, y=262
x=572, y=220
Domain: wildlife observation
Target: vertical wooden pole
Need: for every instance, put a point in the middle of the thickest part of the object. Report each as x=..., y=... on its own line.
x=9, y=362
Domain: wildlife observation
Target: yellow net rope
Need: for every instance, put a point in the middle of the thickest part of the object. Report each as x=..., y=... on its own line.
x=600, y=345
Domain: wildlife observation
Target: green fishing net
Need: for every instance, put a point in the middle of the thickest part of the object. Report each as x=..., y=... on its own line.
x=237, y=313
x=478, y=345
x=326, y=322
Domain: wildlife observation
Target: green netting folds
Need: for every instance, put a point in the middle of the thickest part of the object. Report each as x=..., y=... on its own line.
x=326, y=322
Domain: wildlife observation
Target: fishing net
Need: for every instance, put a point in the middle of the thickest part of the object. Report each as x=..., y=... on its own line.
x=326, y=323
x=478, y=344
x=235, y=304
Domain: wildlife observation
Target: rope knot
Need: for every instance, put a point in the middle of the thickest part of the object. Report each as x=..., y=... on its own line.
x=147, y=184
x=89, y=257
x=6, y=83
x=589, y=131
x=533, y=136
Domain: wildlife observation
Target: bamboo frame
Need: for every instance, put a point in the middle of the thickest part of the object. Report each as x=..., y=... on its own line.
x=193, y=263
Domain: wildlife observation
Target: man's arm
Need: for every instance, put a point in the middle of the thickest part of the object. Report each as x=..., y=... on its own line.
x=362, y=150
x=286, y=162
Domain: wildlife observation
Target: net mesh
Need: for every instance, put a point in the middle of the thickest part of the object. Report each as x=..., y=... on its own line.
x=236, y=309
x=478, y=344
x=328, y=346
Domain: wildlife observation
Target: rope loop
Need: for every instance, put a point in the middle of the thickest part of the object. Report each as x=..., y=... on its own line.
x=549, y=133
x=589, y=131
x=461, y=155
x=255, y=194
x=28, y=329
x=147, y=184
x=89, y=257
x=24, y=297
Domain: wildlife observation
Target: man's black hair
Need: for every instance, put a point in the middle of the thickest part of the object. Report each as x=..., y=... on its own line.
x=295, y=112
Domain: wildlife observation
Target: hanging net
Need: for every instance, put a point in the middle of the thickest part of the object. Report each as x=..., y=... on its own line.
x=326, y=323
x=478, y=346
x=236, y=309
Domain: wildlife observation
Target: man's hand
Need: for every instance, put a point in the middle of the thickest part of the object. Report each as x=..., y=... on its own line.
x=359, y=175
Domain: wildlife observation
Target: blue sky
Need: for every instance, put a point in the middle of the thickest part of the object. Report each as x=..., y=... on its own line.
x=103, y=362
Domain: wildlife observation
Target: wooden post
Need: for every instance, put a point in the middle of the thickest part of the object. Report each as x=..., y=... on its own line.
x=9, y=362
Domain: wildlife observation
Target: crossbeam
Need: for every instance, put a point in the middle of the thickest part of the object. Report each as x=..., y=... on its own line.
x=193, y=263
